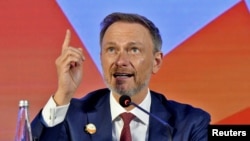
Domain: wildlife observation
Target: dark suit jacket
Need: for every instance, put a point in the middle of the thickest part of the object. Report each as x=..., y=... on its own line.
x=186, y=123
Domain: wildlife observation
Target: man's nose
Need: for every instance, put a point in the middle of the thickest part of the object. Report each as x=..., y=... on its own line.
x=122, y=59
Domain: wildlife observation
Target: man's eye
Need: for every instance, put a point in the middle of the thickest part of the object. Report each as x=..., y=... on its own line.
x=111, y=49
x=134, y=50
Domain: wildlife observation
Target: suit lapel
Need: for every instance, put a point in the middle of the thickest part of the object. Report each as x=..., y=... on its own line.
x=158, y=131
x=101, y=118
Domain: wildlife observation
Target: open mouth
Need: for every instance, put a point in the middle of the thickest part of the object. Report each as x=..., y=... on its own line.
x=122, y=75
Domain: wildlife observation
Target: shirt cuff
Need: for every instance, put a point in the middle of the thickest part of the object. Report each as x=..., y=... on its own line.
x=53, y=115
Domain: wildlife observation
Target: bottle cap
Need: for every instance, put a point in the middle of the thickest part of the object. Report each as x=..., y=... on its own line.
x=23, y=103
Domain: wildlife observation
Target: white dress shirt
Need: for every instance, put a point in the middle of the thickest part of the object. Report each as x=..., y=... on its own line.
x=138, y=126
x=53, y=115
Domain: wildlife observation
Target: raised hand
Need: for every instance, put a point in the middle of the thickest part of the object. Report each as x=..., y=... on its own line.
x=69, y=70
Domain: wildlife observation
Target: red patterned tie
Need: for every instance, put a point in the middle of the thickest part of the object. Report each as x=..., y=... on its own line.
x=125, y=134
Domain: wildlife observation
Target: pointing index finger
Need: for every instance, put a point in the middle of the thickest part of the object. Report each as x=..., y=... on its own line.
x=67, y=38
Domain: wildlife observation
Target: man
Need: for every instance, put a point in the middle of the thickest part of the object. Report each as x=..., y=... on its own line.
x=130, y=54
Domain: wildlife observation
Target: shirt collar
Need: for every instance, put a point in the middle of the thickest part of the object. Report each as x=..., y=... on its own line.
x=117, y=109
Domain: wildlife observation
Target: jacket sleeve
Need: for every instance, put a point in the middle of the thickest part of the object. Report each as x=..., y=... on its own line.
x=200, y=129
x=42, y=133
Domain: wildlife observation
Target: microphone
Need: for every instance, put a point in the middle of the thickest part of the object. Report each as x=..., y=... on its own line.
x=125, y=101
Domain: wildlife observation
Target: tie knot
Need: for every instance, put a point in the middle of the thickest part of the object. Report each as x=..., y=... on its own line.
x=127, y=117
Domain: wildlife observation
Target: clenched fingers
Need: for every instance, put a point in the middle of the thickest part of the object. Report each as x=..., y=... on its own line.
x=71, y=57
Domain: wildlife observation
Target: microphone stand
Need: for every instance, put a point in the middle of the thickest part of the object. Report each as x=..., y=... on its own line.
x=157, y=118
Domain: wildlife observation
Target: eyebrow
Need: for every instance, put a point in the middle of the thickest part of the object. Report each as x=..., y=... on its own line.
x=129, y=44
x=109, y=43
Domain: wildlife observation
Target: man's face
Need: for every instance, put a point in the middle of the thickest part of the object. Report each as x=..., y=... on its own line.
x=127, y=58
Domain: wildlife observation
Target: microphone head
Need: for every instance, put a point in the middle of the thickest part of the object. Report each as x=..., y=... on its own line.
x=125, y=100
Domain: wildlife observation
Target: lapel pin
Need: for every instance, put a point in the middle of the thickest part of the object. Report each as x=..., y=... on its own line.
x=90, y=128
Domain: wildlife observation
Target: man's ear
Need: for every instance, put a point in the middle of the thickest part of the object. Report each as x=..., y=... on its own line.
x=158, y=56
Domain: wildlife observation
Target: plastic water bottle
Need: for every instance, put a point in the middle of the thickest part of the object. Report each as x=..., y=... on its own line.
x=23, y=129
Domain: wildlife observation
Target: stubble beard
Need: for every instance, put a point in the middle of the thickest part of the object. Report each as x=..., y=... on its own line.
x=129, y=92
